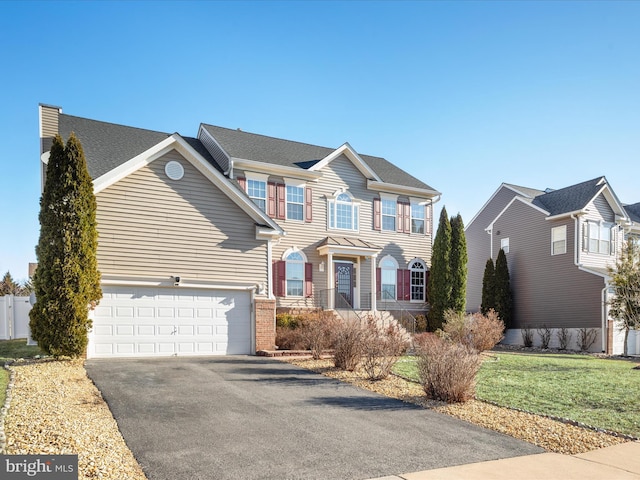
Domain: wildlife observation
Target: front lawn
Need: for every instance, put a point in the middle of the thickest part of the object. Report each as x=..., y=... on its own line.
x=10, y=350
x=602, y=393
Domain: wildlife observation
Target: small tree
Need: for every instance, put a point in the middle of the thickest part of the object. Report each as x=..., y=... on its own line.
x=503, y=301
x=488, y=288
x=625, y=281
x=439, y=287
x=67, y=280
x=8, y=286
x=458, y=262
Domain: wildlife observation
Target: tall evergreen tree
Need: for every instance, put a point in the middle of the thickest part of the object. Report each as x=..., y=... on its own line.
x=488, y=288
x=458, y=262
x=8, y=286
x=503, y=300
x=439, y=287
x=67, y=280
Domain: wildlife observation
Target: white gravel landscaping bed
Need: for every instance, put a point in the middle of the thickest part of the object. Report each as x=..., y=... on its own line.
x=56, y=409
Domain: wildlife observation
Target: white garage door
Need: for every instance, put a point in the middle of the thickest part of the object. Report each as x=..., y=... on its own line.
x=135, y=321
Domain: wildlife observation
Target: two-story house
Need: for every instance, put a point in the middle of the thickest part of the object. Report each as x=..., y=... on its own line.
x=201, y=239
x=558, y=245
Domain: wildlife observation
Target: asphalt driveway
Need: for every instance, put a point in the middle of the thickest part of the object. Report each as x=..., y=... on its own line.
x=247, y=417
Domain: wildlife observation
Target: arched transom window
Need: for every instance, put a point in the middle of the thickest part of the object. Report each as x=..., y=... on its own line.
x=343, y=212
x=388, y=277
x=418, y=271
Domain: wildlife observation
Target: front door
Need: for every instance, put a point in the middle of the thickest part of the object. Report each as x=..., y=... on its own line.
x=344, y=284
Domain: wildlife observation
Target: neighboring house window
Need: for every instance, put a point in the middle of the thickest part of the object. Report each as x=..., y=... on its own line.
x=388, y=215
x=295, y=203
x=417, y=218
x=559, y=240
x=343, y=212
x=504, y=244
x=598, y=238
x=257, y=191
x=418, y=271
x=388, y=277
x=295, y=274
x=292, y=276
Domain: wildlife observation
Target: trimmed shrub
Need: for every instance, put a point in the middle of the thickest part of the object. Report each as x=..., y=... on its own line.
x=348, y=345
x=586, y=338
x=447, y=370
x=289, y=339
x=545, y=336
x=317, y=330
x=287, y=320
x=382, y=348
x=477, y=331
x=564, y=337
x=527, y=337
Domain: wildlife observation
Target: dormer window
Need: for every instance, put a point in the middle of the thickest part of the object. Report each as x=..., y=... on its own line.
x=343, y=212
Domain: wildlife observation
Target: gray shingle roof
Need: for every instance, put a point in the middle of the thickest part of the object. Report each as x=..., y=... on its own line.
x=260, y=148
x=531, y=192
x=633, y=211
x=108, y=145
x=569, y=199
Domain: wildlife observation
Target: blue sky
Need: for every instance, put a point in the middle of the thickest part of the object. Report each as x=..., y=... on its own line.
x=463, y=95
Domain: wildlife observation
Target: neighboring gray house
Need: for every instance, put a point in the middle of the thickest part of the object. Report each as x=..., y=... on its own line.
x=202, y=239
x=558, y=245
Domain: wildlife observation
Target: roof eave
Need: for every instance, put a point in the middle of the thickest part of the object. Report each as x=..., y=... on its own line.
x=274, y=169
x=401, y=189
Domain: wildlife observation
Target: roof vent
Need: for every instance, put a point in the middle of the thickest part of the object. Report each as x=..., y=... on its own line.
x=174, y=170
x=548, y=190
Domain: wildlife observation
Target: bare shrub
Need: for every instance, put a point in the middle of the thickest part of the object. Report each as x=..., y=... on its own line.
x=447, y=370
x=545, y=336
x=527, y=337
x=348, y=345
x=421, y=323
x=382, y=347
x=479, y=332
x=289, y=339
x=317, y=330
x=486, y=330
x=586, y=338
x=564, y=337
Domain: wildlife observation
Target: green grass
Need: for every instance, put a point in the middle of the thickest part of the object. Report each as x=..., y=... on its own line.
x=602, y=393
x=10, y=350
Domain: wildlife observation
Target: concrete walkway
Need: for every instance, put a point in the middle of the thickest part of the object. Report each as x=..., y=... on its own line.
x=620, y=462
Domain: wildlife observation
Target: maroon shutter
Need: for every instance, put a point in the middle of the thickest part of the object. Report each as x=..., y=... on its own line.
x=406, y=284
x=281, y=198
x=308, y=204
x=271, y=199
x=242, y=182
x=279, y=278
x=378, y=281
x=407, y=217
x=376, y=214
x=308, y=279
x=399, y=284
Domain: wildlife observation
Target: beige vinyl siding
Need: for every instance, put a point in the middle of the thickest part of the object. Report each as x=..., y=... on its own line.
x=151, y=226
x=49, y=119
x=547, y=289
x=307, y=236
x=599, y=211
x=479, y=245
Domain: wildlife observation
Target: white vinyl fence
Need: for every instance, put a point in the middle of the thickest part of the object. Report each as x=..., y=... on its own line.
x=14, y=317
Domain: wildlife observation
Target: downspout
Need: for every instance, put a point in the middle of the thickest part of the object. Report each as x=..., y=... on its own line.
x=604, y=316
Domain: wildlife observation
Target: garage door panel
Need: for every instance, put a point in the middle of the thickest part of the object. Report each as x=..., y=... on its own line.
x=168, y=321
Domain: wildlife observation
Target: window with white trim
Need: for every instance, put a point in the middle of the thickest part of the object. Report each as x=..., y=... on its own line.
x=343, y=212
x=598, y=237
x=295, y=202
x=295, y=274
x=388, y=211
x=418, y=280
x=388, y=277
x=417, y=218
x=504, y=244
x=559, y=240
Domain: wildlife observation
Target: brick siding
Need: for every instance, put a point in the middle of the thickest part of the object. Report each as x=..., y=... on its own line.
x=265, y=324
